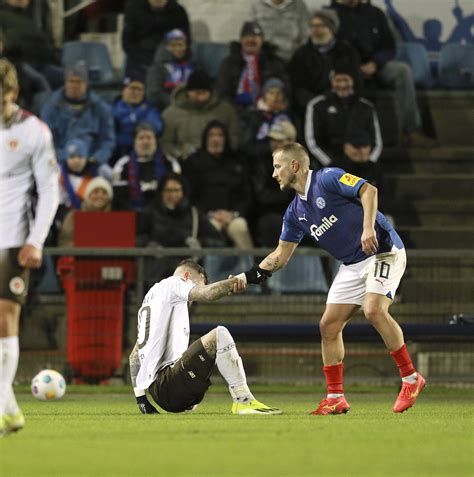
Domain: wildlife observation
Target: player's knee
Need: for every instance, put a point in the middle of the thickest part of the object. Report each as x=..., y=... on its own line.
x=374, y=313
x=329, y=328
x=223, y=337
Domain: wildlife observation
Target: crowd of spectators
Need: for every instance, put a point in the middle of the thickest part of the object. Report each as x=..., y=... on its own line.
x=192, y=155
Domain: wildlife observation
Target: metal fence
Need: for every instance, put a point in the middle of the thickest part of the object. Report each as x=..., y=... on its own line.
x=83, y=321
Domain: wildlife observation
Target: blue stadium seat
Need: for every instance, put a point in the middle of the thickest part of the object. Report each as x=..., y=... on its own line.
x=210, y=56
x=456, y=66
x=416, y=56
x=95, y=55
x=303, y=274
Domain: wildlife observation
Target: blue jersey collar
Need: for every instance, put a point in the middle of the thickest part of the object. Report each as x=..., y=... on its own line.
x=306, y=187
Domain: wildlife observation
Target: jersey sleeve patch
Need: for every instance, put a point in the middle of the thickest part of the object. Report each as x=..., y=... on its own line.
x=350, y=180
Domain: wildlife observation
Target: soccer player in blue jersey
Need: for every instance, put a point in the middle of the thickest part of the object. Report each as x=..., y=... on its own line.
x=339, y=212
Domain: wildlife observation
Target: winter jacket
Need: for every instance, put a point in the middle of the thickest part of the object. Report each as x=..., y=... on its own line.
x=126, y=118
x=330, y=120
x=268, y=198
x=366, y=28
x=172, y=228
x=23, y=39
x=218, y=182
x=270, y=66
x=286, y=26
x=309, y=70
x=90, y=120
x=185, y=122
x=145, y=27
x=165, y=74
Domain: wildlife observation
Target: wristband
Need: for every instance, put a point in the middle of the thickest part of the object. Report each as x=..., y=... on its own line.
x=257, y=275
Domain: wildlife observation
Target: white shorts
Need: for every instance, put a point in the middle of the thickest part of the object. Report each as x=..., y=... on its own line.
x=379, y=274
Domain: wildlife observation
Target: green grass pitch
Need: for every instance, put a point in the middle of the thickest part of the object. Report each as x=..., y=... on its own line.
x=99, y=432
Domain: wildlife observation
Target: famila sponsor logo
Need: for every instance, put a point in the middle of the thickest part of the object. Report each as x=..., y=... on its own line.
x=318, y=230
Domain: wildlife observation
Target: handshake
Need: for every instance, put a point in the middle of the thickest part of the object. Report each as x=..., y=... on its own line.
x=255, y=276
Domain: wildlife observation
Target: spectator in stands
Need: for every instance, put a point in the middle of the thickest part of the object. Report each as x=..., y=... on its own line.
x=76, y=112
x=192, y=106
x=131, y=109
x=146, y=23
x=271, y=108
x=249, y=64
x=342, y=129
x=33, y=85
x=270, y=202
x=25, y=41
x=366, y=28
x=285, y=23
x=219, y=184
x=171, y=67
x=311, y=64
x=135, y=177
x=97, y=197
x=170, y=221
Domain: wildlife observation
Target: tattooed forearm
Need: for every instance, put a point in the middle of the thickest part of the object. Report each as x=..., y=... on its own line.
x=211, y=292
x=134, y=362
x=272, y=263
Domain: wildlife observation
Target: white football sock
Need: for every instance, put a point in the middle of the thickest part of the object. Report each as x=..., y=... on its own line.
x=410, y=379
x=335, y=395
x=230, y=366
x=9, y=353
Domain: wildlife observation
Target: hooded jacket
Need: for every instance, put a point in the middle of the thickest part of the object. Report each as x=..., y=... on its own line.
x=92, y=122
x=185, y=122
x=217, y=182
x=145, y=27
x=366, y=28
x=270, y=66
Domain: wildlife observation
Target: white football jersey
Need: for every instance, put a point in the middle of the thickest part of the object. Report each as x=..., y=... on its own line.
x=27, y=158
x=163, y=327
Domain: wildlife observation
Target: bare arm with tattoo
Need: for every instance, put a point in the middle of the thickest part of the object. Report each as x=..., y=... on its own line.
x=216, y=290
x=143, y=404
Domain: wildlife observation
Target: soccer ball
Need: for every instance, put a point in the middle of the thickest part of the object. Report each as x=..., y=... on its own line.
x=48, y=385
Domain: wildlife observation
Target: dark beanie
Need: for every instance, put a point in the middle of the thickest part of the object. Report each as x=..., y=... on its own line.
x=251, y=28
x=199, y=79
x=342, y=68
x=358, y=137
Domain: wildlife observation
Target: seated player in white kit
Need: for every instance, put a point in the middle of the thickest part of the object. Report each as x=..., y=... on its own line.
x=175, y=375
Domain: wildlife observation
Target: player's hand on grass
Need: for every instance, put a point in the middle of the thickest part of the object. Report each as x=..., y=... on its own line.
x=145, y=406
x=29, y=256
x=369, y=241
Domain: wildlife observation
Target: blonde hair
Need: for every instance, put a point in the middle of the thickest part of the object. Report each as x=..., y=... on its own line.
x=294, y=151
x=8, y=76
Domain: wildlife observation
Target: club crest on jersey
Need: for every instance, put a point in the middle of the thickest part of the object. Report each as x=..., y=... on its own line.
x=318, y=230
x=17, y=286
x=320, y=203
x=13, y=145
x=349, y=180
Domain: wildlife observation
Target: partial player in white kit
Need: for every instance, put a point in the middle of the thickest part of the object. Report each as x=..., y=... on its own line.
x=27, y=162
x=339, y=212
x=175, y=375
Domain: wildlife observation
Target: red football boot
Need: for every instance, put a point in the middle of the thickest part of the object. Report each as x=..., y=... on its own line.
x=408, y=394
x=331, y=406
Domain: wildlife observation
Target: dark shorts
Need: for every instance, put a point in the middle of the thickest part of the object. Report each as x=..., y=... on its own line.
x=13, y=278
x=179, y=387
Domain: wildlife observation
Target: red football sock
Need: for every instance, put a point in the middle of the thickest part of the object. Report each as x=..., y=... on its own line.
x=403, y=361
x=334, y=378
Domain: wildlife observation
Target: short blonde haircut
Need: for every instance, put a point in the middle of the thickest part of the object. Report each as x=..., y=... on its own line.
x=294, y=151
x=8, y=76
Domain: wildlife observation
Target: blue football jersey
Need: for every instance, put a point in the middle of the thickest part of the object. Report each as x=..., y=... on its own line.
x=332, y=215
